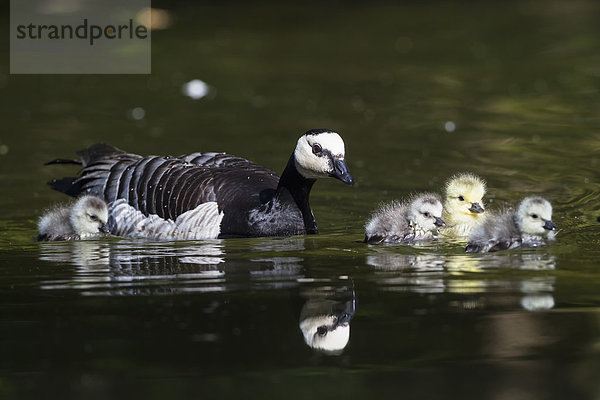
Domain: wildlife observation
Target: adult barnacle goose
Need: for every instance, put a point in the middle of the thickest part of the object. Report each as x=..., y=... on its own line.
x=530, y=226
x=207, y=195
x=463, y=205
x=86, y=218
x=396, y=222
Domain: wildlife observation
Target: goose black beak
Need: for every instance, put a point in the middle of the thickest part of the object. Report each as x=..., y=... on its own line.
x=340, y=171
x=439, y=222
x=104, y=229
x=345, y=315
x=549, y=225
x=476, y=208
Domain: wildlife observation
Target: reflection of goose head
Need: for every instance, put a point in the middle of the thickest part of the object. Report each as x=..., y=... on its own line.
x=325, y=324
x=324, y=333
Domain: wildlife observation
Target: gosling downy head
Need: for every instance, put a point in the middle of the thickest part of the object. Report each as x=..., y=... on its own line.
x=320, y=153
x=89, y=216
x=534, y=216
x=425, y=212
x=463, y=204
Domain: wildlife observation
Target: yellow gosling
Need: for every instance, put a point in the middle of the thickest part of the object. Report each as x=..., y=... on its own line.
x=463, y=205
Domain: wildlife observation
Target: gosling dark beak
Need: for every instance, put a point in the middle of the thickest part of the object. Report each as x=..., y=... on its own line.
x=476, y=208
x=439, y=222
x=549, y=225
x=340, y=171
x=104, y=229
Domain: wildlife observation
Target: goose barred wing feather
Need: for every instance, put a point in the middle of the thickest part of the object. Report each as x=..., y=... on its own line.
x=103, y=167
x=218, y=160
x=169, y=186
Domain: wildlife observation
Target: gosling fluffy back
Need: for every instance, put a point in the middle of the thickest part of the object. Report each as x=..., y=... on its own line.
x=418, y=218
x=530, y=226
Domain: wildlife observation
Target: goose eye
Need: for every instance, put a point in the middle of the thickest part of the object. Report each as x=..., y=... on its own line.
x=460, y=198
x=322, y=330
x=93, y=218
x=316, y=149
x=534, y=216
x=427, y=214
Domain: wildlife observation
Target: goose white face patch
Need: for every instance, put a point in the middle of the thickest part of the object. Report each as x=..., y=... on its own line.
x=203, y=222
x=331, y=340
x=313, y=166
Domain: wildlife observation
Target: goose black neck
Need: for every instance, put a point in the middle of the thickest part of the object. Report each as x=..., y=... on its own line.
x=299, y=187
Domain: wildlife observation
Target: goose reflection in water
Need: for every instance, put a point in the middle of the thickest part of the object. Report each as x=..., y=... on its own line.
x=123, y=253
x=124, y=267
x=464, y=274
x=421, y=273
x=132, y=268
x=110, y=267
x=325, y=318
x=275, y=268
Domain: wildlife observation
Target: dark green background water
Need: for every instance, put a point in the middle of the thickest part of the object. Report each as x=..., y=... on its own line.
x=126, y=318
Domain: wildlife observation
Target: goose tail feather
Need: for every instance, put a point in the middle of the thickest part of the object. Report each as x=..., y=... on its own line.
x=63, y=161
x=96, y=152
x=68, y=186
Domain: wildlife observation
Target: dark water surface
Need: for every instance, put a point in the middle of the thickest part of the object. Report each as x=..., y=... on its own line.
x=121, y=318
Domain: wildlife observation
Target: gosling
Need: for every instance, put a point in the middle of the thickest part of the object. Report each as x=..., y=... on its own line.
x=86, y=218
x=463, y=205
x=530, y=226
x=415, y=220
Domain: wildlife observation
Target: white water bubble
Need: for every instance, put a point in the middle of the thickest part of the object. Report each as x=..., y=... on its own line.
x=138, y=113
x=195, y=89
x=449, y=126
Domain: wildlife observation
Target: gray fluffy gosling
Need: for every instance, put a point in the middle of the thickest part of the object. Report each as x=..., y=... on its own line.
x=530, y=226
x=86, y=218
x=404, y=222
